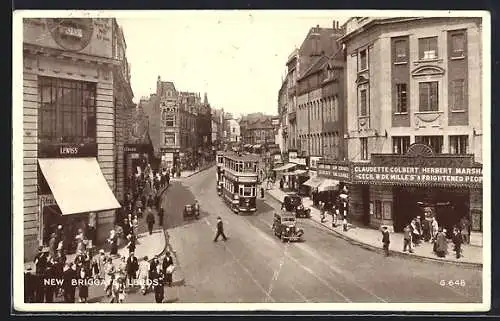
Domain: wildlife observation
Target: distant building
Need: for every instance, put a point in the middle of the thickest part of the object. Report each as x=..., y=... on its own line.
x=234, y=131
x=257, y=130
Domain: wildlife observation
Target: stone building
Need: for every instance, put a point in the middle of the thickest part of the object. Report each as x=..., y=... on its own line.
x=257, y=130
x=77, y=99
x=414, y=121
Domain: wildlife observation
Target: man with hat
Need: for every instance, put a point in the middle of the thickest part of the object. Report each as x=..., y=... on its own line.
x=132, y=267
x=385, y=240
x=220, y=230
x=30, y=284
x=41, y=261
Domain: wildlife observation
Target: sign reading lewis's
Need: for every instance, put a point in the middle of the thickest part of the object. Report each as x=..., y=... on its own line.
x=362, y=173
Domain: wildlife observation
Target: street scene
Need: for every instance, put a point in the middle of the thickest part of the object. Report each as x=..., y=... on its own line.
x=353, y=174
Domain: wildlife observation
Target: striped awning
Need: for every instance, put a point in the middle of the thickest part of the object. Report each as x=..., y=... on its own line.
x=313, y=182
x=285, y=167
x=298, y=172
x=328, y=185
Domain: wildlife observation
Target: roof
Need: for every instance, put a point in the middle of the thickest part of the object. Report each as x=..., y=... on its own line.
x=244, y=158
x=319, y=64
x=166, y=86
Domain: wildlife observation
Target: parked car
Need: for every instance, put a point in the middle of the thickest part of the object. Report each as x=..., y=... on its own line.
x=191, y=210
x=285, y=227
x=293, y=203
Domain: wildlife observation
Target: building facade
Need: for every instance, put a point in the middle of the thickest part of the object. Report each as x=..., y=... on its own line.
x=234, y=131
x=204, y=129
x=77, y=99
x=257, y=129
x=414, y=104
x=217, y=128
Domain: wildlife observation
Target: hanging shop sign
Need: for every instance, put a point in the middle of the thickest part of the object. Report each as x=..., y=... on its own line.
x=371, y=174
x=298, y=160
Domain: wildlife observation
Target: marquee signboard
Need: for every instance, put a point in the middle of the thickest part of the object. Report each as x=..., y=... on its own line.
x=371, y=174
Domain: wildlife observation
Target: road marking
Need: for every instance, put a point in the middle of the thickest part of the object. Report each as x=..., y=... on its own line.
x=272, y=241
x=249, y=274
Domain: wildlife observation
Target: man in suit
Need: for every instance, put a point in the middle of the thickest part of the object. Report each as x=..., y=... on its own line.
x=220, y=230
x=385, y=240
x=150, y=220
x=167, y=264
x=158, y=279
x=69, y=282
x=161, y=213
x=132, y=267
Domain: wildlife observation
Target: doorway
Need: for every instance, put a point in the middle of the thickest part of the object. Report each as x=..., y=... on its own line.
x=365, y=196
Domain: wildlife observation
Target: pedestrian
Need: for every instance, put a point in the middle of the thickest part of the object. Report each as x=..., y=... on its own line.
x=160, y=216
x=83, y=288
x=261, y=192
x=344, y=224
x=322, y=211
x=220, y=230
x=441, y=245
x=132, y=268
x=415, y=234
x=457, y=239
x=109, y=272
x=49, y=276
x=143, y=275
x=158, y=284
x=150, y=220
x=30, y=284
x=100, y=261
x=151, y=201
x=131, y=243
x=52, y=245
x=113, y=242
x=69, y=282
x=168, y=268
x=152, y=266
x=407, y=239
x=385, y=240
x=426, y=233
x=434, y=228
x=465, y=230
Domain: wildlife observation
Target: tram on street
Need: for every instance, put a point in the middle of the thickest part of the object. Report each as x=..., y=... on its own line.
x=219, y=171
x=240, y=180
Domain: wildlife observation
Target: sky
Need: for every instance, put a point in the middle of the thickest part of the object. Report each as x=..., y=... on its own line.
x=237, y=57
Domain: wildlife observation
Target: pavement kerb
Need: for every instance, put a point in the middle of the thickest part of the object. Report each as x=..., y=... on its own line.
x=377, y=249
x=201, y=170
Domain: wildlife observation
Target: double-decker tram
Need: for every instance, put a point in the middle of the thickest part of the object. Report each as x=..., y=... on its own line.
x=219, y=172
x=240, y=181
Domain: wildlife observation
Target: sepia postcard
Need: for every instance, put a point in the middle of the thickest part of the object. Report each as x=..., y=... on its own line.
x=251, y=160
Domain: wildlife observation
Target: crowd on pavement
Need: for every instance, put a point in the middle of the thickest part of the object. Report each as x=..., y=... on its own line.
x=56, y=278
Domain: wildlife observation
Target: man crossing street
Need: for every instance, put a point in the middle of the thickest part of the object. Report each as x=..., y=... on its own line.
x=220, y=230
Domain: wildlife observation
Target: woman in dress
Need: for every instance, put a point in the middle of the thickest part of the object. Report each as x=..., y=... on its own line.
x=113, y=242
x=83, y=288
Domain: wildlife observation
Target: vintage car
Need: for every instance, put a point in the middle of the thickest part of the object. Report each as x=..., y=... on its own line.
x=191, y=210
x=293, y=203
x=285, y=227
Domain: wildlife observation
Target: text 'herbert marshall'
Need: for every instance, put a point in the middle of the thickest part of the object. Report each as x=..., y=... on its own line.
x=418, y=170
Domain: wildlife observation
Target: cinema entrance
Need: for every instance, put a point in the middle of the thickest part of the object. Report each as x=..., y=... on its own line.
x=447, y=205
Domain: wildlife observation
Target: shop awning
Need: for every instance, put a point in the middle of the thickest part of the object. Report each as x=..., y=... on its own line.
x=78, y=185
x=328, y=185
x=285, y=167
x=298, y=172
x=247, y=145
x=313, y=182
x=257, y=146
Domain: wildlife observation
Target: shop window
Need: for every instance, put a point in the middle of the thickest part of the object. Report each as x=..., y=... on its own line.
x=67, y=111
x=428, y=48
x=458, y=95
x=435, y=142
x=401, y=106
x=400, y=144
x=429, y=98
x=459, y=144
x=364, y=148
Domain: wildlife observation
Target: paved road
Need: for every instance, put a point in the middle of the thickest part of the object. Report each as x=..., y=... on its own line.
x=254, y=266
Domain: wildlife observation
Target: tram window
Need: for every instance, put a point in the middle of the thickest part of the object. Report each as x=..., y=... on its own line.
x=254, y=192
x=241, y=190
x=247, y=191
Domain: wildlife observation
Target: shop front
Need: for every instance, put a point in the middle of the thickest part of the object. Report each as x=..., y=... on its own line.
x=394, y=189
x=136, y=157
x=333, y=175
x=72, y=192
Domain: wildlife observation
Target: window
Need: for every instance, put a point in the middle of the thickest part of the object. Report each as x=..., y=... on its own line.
x=170, y=120
x=401, y=106
x=459, y=144
x=458, y=94
x=364, y=148
x=246, y=190
x=400, y=144
x=169, y=139
x=435, y=142
x=363, y=60
x=457, y=44
x=427, y=48
x=67, y=111
x=363, y=102
x=428, y=96
x=400, y=51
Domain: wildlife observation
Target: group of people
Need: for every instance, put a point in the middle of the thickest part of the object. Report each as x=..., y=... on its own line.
x=428, y=230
